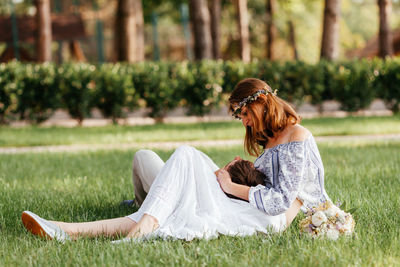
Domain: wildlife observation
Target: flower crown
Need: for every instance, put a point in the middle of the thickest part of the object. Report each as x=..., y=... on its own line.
x=237, y=109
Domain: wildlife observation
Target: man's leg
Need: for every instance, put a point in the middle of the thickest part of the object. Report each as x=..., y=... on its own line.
x=146, y=165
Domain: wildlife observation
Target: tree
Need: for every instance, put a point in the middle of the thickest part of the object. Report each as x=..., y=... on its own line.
x=385, y=34
x=271, y=29
x=330, y=32
x=292, y=39
x=215, y=12
x=43, y=17
x=200, y=19
x=243, y=24
x=129, y=28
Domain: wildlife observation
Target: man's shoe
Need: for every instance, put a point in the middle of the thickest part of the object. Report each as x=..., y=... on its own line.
x=128, y=203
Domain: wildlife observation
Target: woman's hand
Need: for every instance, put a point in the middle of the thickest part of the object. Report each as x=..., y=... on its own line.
x=224, y=180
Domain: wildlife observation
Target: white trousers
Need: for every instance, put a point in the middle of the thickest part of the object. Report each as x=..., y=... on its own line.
x=146, y=165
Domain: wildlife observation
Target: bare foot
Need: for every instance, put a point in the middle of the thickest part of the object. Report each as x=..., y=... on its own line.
x=146, y=225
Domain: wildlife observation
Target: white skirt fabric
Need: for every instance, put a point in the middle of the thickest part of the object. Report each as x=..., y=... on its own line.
x=189, y=203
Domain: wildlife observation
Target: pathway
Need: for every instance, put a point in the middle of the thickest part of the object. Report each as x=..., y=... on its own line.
x=174, y=144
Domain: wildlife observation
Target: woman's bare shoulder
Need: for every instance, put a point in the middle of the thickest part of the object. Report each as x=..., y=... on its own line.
x=298, y=133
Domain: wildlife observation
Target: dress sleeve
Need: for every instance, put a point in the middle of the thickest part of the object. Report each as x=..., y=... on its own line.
x=288, y=170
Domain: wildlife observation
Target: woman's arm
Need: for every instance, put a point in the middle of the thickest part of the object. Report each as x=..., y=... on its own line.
x=288, y=165
x=242, y=191
x=225, y=181
x=239, y=190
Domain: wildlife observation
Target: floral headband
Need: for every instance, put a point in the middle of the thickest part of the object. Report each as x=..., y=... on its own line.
x=237, y=109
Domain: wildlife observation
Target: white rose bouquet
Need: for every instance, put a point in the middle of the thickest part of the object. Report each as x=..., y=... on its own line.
x=327, y=220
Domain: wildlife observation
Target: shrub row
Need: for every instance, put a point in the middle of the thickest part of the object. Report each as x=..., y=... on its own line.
x=34, y=91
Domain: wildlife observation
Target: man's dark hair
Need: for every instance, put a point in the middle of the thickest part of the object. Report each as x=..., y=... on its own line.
x=243, y=172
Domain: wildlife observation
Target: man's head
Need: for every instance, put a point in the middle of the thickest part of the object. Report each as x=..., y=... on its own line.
x=243, y=172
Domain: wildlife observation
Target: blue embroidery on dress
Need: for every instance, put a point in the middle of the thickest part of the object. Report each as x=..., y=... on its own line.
x=257, y=200
x=295, y=170
x=275, y=167
x=261, y=200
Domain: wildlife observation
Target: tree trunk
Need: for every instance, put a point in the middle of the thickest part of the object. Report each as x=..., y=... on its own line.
x=385, y=34
x=243, y=24
x=43, y=30
x=129, y=41
x=330, y=33
x=292, y=39
x=76, y=51
x=215, y=12
x=271, y=29
x=140, y=53
x=200, y=18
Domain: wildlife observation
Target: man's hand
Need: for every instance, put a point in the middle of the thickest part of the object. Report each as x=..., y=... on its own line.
x=224, y=180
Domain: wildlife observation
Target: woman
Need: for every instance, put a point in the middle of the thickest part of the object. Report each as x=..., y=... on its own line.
x=289, y=157
x=185, y=201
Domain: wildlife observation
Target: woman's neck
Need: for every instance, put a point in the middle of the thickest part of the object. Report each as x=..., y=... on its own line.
x=280, y=137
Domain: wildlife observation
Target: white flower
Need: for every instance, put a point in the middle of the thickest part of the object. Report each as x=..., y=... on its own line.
x=347, y=227
x=332, y=234
x=323, y=228
x=341, y=216
x=318, y=218
x=331, y=211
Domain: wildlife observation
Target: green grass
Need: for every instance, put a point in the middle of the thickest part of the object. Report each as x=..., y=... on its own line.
x=38, y=136
x=90, y=185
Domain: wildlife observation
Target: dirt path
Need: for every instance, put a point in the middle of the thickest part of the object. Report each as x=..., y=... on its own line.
x=172, y=145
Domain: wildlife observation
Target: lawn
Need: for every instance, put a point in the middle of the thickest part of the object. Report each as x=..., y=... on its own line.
x=90, y=185
x=39, y=136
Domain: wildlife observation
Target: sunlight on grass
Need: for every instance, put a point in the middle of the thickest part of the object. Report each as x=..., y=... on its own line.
x=39, y=136
x=90, y=185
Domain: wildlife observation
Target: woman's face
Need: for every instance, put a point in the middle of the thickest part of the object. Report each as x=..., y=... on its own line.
x=246, y=118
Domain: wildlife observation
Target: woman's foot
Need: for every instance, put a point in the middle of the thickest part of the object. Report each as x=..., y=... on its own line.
x=147, y=225
x=44, y=228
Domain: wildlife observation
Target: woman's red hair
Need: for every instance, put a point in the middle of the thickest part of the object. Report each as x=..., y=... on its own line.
x=270, y=114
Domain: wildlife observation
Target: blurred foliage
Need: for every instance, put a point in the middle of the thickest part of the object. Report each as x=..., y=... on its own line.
x=202, y=86
x=358, y=23
x=354, y=85
x=387, y=83
x=9, y=77
x=76, y=89
x=38, y=91
x=158, y=85
x=34, y=92
x=114, y=91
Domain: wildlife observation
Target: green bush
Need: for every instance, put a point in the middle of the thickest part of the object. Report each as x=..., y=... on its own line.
x=235, y=71
x=294, y=81
x=270, y=72
x=387, y=83
x=38, y=92
x=202, y=86
x=9, y=84
x=354, y=85
x=114, y=91
x=77, y=89
x=158, y=85
x=35, y=91
x=317, y=88
x=324, y=76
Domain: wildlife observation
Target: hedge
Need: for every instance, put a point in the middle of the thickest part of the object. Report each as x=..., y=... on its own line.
x=35, y=91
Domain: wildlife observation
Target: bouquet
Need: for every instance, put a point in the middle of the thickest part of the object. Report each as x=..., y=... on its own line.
x=327, y=220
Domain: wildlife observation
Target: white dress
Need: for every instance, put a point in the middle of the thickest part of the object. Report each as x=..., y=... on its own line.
x=188, y=202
